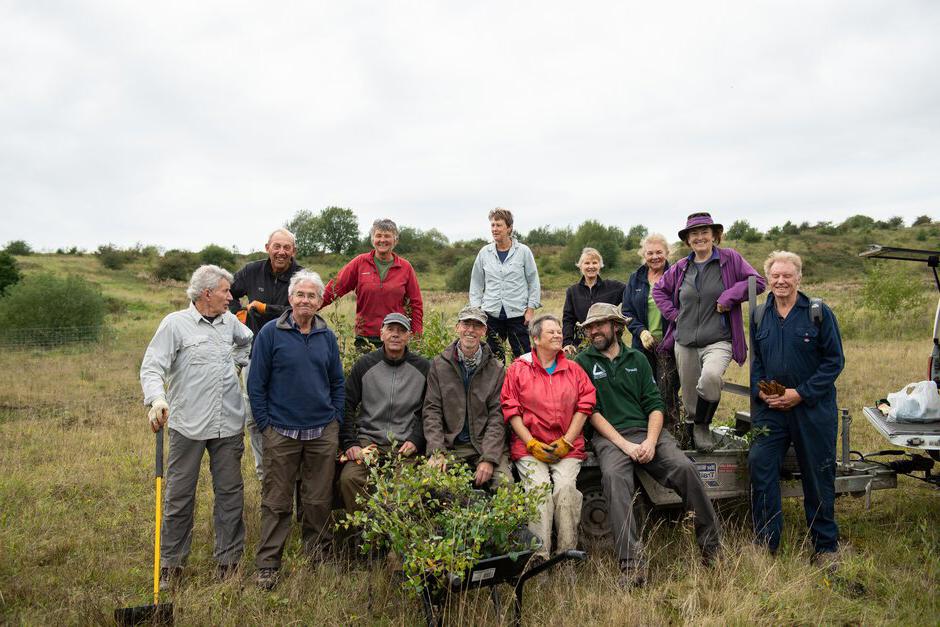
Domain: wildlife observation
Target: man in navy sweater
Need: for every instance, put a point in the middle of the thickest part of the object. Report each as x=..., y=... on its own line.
x=297, y=394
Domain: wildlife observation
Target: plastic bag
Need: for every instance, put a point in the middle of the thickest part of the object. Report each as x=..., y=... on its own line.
x=916, y=402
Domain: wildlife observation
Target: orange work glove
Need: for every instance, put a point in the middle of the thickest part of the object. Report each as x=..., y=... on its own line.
x=545, y=453
x=258, y=306
x=242, y=315
x=562, y=447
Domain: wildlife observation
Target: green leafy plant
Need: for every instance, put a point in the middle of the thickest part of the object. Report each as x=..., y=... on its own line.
x=437, y=522
x=33, y=313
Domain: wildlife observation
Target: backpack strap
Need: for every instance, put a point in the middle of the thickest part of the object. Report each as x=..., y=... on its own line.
x=815, y=312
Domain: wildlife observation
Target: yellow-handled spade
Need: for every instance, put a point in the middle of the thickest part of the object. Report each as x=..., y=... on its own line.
x=155, y=614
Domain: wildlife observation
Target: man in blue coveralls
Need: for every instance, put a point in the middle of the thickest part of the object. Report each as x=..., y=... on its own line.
x=797, y=345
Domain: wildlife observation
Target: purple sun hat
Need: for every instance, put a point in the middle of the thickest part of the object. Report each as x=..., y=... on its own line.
x=697, y=220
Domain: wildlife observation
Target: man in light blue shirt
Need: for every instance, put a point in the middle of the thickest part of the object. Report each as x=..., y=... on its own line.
x=189, y=380
x=505, y=284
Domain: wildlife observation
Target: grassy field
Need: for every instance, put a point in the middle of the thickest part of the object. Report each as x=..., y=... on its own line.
x=76, y=499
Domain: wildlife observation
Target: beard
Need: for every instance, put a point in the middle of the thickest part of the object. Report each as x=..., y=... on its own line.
x=602, y=342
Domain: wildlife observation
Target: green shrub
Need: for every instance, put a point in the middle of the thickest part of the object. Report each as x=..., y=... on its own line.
x=742, y=230
x=219, y=256
x=890, y=289
x=19, y=247
x=437, y=522
x=9, y=272
x=45, y=309
x=438, y=334
x=458, y=278
x=608, y=240
x=176, y=265
x=113, y=258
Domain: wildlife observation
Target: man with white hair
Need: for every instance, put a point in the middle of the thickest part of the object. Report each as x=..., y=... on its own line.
x=264, y=283
x=297, y=393
x=189, y=380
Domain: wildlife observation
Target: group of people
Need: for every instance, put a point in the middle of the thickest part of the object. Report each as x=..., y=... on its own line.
x=274, y=366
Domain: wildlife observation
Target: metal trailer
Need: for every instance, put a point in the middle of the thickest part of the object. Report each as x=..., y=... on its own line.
x=724, y=471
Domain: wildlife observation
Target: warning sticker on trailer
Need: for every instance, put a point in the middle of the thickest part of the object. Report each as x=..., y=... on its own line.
x=708, y=471
x=483, y=575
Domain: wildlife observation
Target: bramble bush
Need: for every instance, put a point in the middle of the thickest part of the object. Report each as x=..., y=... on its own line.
x=437, y=522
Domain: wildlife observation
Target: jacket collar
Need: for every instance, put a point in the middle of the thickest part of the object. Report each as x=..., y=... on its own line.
x=285, y=322
x=394, y=362
x=643, y=272
x=590, y=351
x=561, y=362
x=450, y=353
x=395, y=258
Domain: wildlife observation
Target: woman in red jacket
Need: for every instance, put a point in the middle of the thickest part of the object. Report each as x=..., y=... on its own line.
x=383, y=282
x=546, y=399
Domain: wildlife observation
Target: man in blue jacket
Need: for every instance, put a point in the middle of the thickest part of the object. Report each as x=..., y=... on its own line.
x=800, y=349
x=297, y=394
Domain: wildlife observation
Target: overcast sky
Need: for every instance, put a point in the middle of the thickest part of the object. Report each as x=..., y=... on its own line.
x=186, y=123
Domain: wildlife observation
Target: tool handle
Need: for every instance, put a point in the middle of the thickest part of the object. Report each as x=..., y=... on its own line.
x=158, y=466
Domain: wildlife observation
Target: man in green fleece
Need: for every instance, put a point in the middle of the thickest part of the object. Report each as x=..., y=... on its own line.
x=628, y=421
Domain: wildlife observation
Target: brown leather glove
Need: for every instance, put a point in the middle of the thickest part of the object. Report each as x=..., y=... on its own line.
x=258, y=306
x=242, y=315
x=545, y=453
x=771, y=388
x=562, y=447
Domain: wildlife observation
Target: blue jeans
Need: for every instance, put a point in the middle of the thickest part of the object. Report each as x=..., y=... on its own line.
x=814, y=438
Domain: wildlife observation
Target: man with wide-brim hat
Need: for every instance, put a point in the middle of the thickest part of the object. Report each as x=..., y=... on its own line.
x=628, y=424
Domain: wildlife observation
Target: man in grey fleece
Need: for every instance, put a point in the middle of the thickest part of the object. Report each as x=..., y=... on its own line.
x=384, y=396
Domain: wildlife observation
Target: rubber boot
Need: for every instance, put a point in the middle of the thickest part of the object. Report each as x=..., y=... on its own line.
x=701, y=432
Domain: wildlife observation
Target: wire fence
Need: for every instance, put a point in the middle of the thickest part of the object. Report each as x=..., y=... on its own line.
x=53, y=337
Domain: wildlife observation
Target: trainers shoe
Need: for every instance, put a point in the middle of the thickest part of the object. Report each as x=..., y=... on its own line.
x=266, y=578
x=224, y=572
x=170, y=577
x=632, y=575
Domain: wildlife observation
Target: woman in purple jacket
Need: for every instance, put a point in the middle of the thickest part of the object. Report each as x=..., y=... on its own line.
x=700, y=296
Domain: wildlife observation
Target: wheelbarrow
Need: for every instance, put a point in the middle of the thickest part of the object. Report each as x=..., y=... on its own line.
x=511, y=569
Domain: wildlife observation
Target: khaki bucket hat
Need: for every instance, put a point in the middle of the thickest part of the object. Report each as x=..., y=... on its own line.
x=604, y=311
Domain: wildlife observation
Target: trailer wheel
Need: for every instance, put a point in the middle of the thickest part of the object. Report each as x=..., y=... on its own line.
x=595, y=529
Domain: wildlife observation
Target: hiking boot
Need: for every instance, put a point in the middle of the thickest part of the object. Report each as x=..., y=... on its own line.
x=830, y=561
x=703, y=438
x=266, y=578
x=224, y=572
x=632, y=575
x=170, y=577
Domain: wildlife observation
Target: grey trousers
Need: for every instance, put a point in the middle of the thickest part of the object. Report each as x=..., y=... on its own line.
x=316, y=461
x=254, y=436
x=669, y=467
x=700, y=372
x=182, y=475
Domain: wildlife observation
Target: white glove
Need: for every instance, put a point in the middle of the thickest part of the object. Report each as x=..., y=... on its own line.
x=159, y=412
x=647, y=339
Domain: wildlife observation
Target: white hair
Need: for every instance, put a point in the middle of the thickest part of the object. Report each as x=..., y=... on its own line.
x=589, y=252
x=783, y=256
x=535, y=327
x=654, y=238
x=306, y=276
x=206, y=277
x=283, y=231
